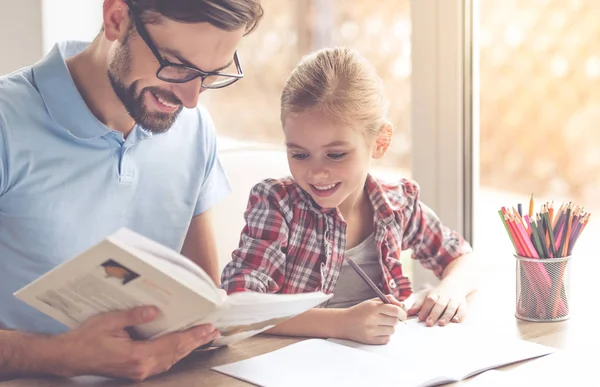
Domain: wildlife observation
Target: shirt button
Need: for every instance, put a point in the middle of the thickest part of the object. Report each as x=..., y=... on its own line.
x=392, y=284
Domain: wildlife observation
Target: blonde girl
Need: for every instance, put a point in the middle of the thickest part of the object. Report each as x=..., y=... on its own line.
x=300, y=230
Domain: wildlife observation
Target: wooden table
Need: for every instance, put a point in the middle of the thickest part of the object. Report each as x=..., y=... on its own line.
x=492, y=308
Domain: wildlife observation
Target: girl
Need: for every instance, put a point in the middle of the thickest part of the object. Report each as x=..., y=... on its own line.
x=299, y=231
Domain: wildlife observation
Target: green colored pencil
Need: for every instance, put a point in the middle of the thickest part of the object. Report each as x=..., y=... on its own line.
x=536, y=238
x=507, y=230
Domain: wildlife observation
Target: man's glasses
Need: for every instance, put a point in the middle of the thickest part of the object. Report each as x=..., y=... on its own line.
x=180, y=73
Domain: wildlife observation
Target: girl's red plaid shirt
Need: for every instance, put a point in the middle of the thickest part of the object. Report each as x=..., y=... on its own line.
x=291, y=245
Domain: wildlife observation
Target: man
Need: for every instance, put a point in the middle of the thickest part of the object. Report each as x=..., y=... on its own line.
x=103, y=135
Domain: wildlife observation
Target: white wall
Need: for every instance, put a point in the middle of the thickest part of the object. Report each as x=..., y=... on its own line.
x=20, y=34
x=60, y=24
x=29, y=28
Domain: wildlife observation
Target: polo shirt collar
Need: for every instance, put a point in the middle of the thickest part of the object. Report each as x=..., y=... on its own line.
x=61, y=97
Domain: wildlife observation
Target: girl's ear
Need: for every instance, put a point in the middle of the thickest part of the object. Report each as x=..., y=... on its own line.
x=382, y=143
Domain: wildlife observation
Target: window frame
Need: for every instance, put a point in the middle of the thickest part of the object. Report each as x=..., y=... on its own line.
x=445, y=135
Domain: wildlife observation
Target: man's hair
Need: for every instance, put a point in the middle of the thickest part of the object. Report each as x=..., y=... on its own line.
x=227, y=15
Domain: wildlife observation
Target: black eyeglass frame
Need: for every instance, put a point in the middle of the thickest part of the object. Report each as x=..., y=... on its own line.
x=141, y=29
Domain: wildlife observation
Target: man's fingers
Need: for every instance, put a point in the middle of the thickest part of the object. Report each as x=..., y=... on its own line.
x=158, y=355
x=126, y=318
x=182, y=343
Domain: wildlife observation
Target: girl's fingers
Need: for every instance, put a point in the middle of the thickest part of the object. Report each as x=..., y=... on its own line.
x=428, y=304
x=437, y=311
x=461, y=313
x=449, y=313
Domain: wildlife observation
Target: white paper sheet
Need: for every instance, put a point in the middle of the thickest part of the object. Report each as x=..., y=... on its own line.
x=314, y=362
x=416, y=356
x=559, y=369
x=453, y=352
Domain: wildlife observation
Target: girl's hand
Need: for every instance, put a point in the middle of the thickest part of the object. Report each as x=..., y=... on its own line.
x=372, y=321
x=441, y=305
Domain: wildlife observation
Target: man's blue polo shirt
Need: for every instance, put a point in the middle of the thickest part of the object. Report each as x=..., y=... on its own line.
x=67, y=181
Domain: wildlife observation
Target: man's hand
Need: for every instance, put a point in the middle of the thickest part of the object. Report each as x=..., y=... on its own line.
x=102, y=346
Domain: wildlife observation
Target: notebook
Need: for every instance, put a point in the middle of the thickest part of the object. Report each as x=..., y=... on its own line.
x=416, y=356
x=559, y=369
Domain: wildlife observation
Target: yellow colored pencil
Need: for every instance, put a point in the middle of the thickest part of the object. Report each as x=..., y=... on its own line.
x=531, y=206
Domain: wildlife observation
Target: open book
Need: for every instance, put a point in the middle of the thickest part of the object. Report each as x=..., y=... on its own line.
x=127, y=270
x=416, y=356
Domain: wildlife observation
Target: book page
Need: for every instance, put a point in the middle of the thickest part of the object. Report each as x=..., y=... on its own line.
x=168, y=261
x=246, y=314
x=314, y=362
x=108, y=277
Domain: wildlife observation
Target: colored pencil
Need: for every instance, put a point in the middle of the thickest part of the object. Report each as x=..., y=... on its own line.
x=548, y=234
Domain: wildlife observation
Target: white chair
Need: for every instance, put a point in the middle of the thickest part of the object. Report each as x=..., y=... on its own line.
x=245, y=166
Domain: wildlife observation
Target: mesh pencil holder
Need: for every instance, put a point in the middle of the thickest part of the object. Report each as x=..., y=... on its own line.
x=543, y=288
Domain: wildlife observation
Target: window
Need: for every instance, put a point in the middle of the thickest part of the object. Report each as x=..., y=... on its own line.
x=540, y=109
x=292, y=28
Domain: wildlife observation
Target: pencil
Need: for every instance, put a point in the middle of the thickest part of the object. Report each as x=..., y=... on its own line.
x=550, y=235
x=536, y=239
x=568, y=235
x=508, y=231
x=542, y=235
x=368, y=281
x=531, y=206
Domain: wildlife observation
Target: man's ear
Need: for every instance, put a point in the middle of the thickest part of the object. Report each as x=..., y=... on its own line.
x=115, y=20
x=383, y=141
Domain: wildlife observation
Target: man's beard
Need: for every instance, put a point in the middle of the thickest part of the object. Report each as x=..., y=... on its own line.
x=155, y=122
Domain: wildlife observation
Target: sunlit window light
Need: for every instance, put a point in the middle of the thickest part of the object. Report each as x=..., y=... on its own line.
x=592, y=67
x=485, y=37
x=513, y=35
x=559, y=66
x=402, y=28
x=372, y=26
x=401, y=68
x=349, y=30
x=386, y=46
x=558, y=19
x=541, y=43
